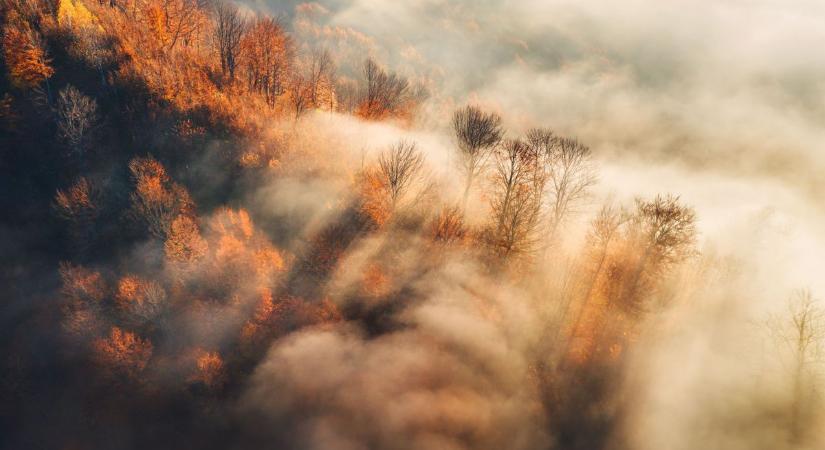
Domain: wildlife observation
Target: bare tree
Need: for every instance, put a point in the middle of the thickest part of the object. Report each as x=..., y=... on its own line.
x=95, y=47
x=76, y=119
x=311, y=83
x=400, y=166
x=384, y=93
x=321, y=73
x=229, y=30
x=515, y=202
x=801, y=333
x=570, y=173
x=477, y=134
x=299, y=93
x=661, y=233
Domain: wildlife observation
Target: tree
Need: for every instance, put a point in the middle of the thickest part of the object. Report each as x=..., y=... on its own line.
x=400, y=167
x=384, y=93
x=569, y=172
x=209, y=369
x=122, y=354
x=83, y=292
x=182, y=20
x=95, y=47
x=321, y=74
x=477, y=134
x=229, y=31
x=25, y=53
x=604, y=229
x=267, y=53
x=76, y=119
x=801, y=334
x=139, y=300
x=515, y=202
x=661, y=233
x=80, y=206
x=299, y=93
x=311, y=85
x=156, y=200
x=185, y=243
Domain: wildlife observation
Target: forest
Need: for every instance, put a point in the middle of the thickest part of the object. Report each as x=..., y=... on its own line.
x=227, y=227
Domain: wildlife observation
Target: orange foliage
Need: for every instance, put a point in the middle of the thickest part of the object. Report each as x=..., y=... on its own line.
x=123, y=353
x=254, y=331
x=267, y=52
x=80, y=283
x=239, y=256
x=155, y=22
x=209, y=369
x=24, y=52
x=79, y=201
x=375, y=202
x=156, y=200
x=140, y=299
x=185, y=243
x=72, y=13
x=237, y=224
x=274, y=317
x=375, y=282
x=84, y=290
x=265, y=307
x=448, y=227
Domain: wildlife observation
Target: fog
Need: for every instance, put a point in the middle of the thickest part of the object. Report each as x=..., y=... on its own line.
x=228, y=268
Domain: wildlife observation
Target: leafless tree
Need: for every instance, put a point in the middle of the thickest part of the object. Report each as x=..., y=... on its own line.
x=229, y=30
x=515, y=202
x=569, y=170
x=477, y=134
x=321, y=73
x=76, y=119
x=299, y=93
x=801, y=334
x=95, y=47
x=384, y=93
x=311, y=84
x=661, y=233
x=400, y=167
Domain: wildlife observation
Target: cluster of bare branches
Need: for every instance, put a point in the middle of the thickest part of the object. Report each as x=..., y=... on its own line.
x=477, y=133
x=516, y=201
x=229, y=30
x=400, y=167
x=800, y=333
x=384, y=93
x=312, y=82
x=569, y=173
x=76, y=119
x=537, y=182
